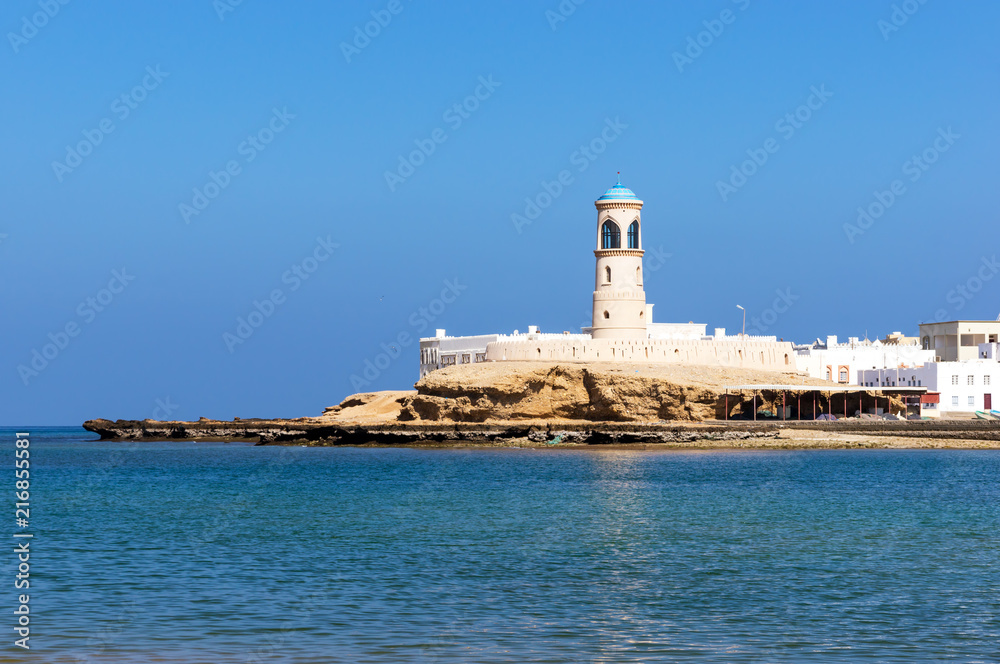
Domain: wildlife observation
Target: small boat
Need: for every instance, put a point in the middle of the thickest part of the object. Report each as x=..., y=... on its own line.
x=984, y=415
x=995, y=413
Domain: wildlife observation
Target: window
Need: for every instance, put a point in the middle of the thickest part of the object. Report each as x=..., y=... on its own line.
x=611, y=236
x=638, y=276
x=607, y=274
x=447, y=360
x=986, y=380
x=466, y=358
x=828, y=373
x=606, y=315
x=843, y=375
x=480, y=357
x=954, y=401
x=972, y=401
x=633, y=235
x=970, y=380
x=954, y=381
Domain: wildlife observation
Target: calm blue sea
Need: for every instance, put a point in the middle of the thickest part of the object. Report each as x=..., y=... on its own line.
x=182, y=552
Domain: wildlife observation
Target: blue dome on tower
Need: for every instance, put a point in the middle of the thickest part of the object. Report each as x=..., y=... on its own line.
x=619, y=192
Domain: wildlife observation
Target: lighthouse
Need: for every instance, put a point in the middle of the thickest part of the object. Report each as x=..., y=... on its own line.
x=619, y=299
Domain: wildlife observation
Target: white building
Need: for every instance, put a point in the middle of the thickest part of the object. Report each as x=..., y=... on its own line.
x=843, y=362
x=443, y=351
x=621, y=328
x=964, y=387
x=958, y=339
x=619, y=298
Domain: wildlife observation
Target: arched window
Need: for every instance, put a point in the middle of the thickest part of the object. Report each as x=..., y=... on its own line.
x=607, y=274
x=638, y=276
x=633, y=235
x=611, y=237
x=607, y=315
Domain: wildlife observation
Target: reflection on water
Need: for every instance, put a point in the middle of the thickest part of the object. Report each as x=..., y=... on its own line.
x=230, y=553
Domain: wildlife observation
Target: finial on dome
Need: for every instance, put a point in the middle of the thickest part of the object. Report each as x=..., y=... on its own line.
x=619, y=177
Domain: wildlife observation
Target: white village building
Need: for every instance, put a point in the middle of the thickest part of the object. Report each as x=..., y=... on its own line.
x=843, y=362
x=964, y=386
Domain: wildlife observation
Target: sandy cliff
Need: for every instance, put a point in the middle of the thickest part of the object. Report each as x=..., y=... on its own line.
x=596, y=392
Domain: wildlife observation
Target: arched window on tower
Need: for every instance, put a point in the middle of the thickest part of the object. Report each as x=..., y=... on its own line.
x=633, y=235
x=607, y=274
x=611, y=236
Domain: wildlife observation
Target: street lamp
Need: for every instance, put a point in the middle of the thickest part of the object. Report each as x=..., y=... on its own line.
x=744, y=333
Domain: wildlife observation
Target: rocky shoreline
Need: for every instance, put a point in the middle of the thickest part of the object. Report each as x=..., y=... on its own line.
x=597, y=405
x=316, y=432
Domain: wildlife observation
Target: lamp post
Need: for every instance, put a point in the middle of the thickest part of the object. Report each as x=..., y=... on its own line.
x=744, y=332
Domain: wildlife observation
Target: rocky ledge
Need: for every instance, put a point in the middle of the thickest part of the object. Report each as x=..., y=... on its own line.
x=534, y=403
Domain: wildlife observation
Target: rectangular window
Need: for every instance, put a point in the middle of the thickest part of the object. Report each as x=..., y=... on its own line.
x=466, y=358
x=954, y=401
x=843, y=375
x=970, y=380
x=954, y=380
x=972, y=401
x=986, y=380
x=480, y=357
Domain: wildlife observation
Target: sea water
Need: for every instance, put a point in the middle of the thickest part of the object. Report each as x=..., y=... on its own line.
x=214, y=552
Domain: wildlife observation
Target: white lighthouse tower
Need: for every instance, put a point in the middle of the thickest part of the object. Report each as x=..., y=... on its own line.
x=619, y=299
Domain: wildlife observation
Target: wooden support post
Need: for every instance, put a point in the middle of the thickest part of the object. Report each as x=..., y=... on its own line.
x=782, y=405
x=726, y=415
x=755, y=405
x=798, y=407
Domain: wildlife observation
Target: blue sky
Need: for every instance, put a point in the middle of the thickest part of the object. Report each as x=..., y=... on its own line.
x=309, y=117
